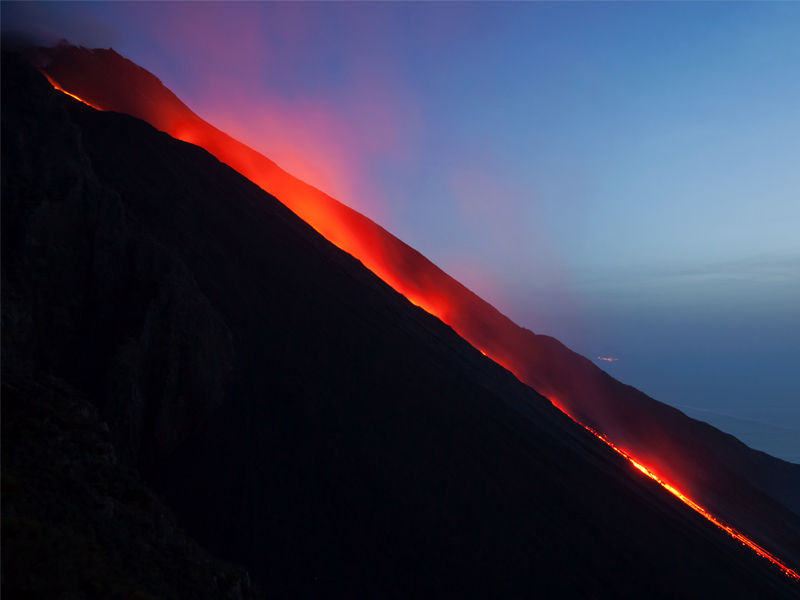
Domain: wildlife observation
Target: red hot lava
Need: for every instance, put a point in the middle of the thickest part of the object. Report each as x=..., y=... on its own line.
x=738, y=536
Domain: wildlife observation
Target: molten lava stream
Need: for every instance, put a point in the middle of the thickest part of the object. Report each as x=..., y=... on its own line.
x=738, y=536
x=71, y=95
x=328, y=218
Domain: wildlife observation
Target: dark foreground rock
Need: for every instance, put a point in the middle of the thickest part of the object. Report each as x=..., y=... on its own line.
x=77, y=524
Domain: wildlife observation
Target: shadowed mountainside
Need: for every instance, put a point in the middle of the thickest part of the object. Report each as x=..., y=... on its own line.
x=757, y=493
x=298, y=415
x=78, y=524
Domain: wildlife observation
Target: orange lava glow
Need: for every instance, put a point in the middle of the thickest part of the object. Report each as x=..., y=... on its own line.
x=71, y=95
x=738, y=536
x=397, y=264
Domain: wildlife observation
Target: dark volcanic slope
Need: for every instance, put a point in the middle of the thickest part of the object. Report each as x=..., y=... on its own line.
x=758, y=493
x=298, y=415
x=77, y=524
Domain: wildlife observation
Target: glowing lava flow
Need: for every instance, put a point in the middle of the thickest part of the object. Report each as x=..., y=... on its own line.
x=738, y=536
x=71, y=95
x=400, y=266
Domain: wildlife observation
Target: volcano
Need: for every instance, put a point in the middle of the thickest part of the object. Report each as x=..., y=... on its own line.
x=757, y=492
x=296, y=410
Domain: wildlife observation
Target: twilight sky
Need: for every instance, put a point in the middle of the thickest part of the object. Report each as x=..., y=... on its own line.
x=621, y=176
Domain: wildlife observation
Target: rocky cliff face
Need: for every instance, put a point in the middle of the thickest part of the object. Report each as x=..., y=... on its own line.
x=297, y=415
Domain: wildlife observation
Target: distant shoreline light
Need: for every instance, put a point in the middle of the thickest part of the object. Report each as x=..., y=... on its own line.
x=608, y=358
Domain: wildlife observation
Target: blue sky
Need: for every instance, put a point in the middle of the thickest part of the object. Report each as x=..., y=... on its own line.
x=621, y=176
